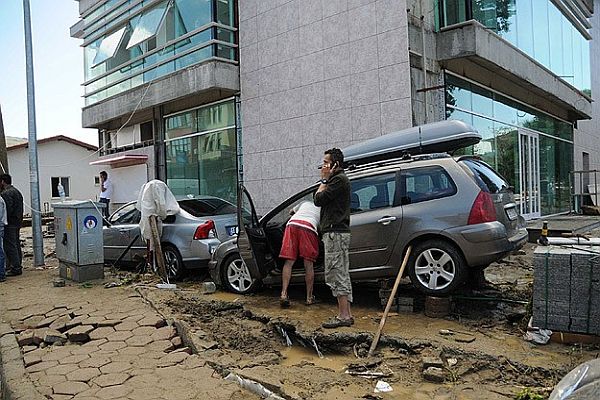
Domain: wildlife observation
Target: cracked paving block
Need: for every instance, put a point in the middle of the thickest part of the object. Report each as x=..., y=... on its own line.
x=139, y=340
x=172, y=359
x=51, y=336
x=51, y=380
x=70, y=388
x=161, y=345
x=25, y=338
x=165, y=333
x=119, y=336
x=109, y=322
x=115, y=367
x=101, y=332
x=94, y=321
x=95, y=362
x=56, y=353
x=57, y=312
x=30, y=360
x=60, y=323
x=144, y=331
x=112, y=346
x=107, y=380
x=132, y=350
x=83, y=374
x=153, y=320
x=27, y=349
x=33, y=321
x=114, y=392
x=80, y=333
x=61, y=369
x=126, y=326
x=133, y=318
x=47, y=321
x=43, y=366
x=75, y=321
x=74, y=359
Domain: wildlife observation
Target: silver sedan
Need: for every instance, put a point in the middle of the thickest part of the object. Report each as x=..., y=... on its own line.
x=188, y=239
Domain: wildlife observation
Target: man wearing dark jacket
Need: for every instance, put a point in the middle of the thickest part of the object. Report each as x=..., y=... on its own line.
x=14, y=210
x=333, y=196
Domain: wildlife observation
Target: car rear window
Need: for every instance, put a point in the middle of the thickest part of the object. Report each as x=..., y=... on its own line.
x=487, y=179
x=426, y=183
x=207, y=207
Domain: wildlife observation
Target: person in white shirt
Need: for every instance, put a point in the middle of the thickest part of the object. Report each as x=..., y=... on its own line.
x=300, y=239
x=3, y=223
x=105, y=192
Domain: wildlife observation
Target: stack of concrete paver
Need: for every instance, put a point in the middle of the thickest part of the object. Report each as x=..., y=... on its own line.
x=566, y=289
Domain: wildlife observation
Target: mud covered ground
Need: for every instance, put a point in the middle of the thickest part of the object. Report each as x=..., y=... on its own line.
x=479, y=345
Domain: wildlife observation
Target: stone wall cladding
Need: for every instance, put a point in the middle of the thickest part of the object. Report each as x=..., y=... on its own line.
x=316, y=74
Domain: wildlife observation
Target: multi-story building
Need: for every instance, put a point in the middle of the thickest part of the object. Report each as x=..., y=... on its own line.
x=314, y=74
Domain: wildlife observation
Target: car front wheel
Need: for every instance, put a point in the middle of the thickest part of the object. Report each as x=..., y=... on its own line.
x=436, y=267
x=237, y=277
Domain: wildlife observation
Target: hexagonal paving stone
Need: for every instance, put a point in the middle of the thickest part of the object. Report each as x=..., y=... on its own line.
x=75, y=321
x=132, y=350
x=144, y=331
x=119, y=336
x=153, y=320
x=133, y=317
x=70, y=388
x=43, y=366
x=148, y=393
x=126, y=326
x=115, y=367
x=109, y=322
x=139, y=340
x=57, y=312
x=161, y=345
x=33, y=321
x=56, y=353
x=95, y=362
x=164, y=333
x=110, y=379
x=112, y=346
x=62, y=370
x=47, y=321
x=31, y=359
x=172, y=359
x=51, y=380
x=83, y=374
x=74, y=359
x=60, y=323
x=101, y=332
x=94, y=321
x=114, y=392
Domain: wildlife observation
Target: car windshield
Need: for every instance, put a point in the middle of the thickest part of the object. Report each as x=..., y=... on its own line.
x=207, y=207
x=488, y=179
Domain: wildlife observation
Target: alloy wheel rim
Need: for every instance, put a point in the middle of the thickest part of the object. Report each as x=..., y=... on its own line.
x=171, y=263
x=238, y=275
x=435, y=269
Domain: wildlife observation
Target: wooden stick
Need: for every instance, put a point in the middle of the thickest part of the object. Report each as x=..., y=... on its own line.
x=390, y=301
x=158, y=249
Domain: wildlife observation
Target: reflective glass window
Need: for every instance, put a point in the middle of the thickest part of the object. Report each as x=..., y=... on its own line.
x=486, y=148
x=541, y=33
x=504, y=111
x=525, y=26
x=454, y=11
x=225, y=12
x=192, y=14
x=482, y=102
x=556, y=38
x=148, y=25
x=484, y=11
x=458, y=93
x=567, y=40
x=218, y=116
x=109, y=46
x=180, y=125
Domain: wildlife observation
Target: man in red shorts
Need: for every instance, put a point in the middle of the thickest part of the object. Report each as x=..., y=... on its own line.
x=300, y=240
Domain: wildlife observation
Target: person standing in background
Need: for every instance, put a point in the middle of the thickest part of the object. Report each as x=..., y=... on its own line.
x=105, y=192
x=13, y=200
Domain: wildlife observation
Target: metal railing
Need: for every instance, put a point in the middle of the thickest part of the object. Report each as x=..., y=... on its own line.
x=584, y=189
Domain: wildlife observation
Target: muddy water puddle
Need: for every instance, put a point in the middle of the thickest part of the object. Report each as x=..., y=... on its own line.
x=298, y=355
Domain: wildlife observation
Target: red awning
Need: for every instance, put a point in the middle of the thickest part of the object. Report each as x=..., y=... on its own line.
x=124, y=160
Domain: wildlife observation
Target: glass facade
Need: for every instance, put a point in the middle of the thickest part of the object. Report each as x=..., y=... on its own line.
x=201, y=152
x=537, y=27
x=499, y=120
x=132, y=45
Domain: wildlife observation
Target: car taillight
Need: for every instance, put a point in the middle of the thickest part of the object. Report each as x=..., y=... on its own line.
x=482, y=210
x=206, y=230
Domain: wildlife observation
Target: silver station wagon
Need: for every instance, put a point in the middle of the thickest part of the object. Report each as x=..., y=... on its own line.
x=458, y=215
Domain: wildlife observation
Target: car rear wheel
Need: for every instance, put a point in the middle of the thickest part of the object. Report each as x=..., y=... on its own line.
x=237, y=277
x=436, y=267
x=173, y=262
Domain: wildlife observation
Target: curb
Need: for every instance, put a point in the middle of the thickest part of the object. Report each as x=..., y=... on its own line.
x=14, y=381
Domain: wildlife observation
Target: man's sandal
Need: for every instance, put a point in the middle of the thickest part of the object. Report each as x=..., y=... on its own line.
x=337, y=322
x=284, y=302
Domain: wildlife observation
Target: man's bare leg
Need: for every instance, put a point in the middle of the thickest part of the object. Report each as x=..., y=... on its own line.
x=344, y=307
x=286, y=275
x=309, y=278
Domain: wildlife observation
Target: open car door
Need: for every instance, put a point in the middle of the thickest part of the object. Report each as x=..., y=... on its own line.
x=252, y=242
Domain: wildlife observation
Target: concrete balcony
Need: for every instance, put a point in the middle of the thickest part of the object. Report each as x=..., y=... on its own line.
x=211, y=80
x=469, y=49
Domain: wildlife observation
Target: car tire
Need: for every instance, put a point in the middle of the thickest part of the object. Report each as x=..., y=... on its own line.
x=436, y=267
x=237, y=277
x=173, y=262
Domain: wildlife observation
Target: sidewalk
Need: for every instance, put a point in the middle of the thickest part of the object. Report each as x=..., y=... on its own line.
x=118, y=347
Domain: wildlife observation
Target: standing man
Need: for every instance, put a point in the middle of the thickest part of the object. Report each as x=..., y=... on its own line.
x=333, y=196
x=300, y=239
x=105, y=192
x=3, y=223
x=14, y=216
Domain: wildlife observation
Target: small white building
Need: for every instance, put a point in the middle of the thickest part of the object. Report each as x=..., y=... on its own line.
x=60, y=159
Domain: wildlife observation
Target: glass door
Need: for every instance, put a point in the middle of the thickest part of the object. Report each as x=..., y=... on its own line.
x=529, y=167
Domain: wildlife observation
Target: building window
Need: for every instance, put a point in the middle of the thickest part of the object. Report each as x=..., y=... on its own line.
x=146, y=132
x=64, y=181
x=537, y=27
x=202, y=152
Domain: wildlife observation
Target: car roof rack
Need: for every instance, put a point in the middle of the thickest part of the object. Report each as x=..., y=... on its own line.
x=406, y=158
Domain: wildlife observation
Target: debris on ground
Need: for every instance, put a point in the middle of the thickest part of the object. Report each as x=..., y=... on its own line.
x=382, y=387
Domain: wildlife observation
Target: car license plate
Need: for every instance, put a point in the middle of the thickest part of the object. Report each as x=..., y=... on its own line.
x=232, y=230
x=511, y=213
